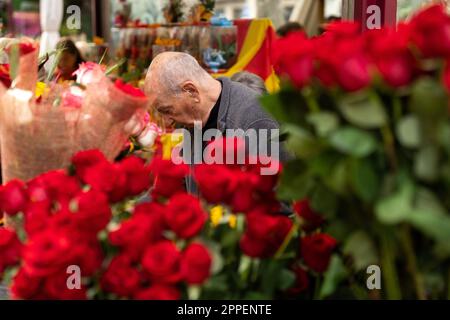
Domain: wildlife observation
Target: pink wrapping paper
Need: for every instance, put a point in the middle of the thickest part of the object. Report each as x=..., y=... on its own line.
x=40, y=136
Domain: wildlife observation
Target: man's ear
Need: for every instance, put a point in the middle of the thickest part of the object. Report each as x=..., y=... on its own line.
x=191, y=90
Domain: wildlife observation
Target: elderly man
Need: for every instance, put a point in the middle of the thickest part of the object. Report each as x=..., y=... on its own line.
x=185, y=95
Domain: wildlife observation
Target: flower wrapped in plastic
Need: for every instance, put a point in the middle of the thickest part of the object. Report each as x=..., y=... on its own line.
x=42, y=133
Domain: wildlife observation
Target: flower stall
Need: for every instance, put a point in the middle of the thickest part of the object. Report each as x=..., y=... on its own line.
x=367, y=184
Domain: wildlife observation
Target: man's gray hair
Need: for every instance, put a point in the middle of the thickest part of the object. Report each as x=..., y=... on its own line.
x=172, y=69
x=251, y=81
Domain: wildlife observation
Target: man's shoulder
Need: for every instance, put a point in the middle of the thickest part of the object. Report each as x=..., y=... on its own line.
x=245, y=110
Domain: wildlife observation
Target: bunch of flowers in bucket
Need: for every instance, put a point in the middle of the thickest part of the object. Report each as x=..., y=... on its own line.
x=93, y=232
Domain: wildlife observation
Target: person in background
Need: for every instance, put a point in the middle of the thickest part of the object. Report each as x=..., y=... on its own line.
x=250, y=80
x=288, y=28
x=330, y=19
x=70, y=59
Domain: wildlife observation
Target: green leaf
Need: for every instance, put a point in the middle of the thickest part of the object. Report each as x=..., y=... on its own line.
x=217, y=259
x=270, y=271
x=363, y=109
x=323, y=122
x=324, y=201
x=426, y=163
x=55, y=63
x=430, y=217
x=338, y=178
x=408, y=132
x=364, y=179
x=396, y=207
x=334, y=275
x=361, y=248
x=353, y=141
x=287, y=279
x=295, y=182
x=286, y=106
x=301, y=142
x=429, y=99
x=253, y=295
x=435, y=226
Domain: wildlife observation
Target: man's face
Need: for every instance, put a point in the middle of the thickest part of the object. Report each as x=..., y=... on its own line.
x=175, y=110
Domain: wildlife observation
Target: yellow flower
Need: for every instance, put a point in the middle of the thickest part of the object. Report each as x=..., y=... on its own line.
x=232, y=221
x=40, y=89
x=216, y=215
x=170, y=141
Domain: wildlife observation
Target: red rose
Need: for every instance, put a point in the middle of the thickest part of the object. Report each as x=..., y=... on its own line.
x=47, y=252
x=311, y=219
x=55, y=185
x=13, y=197
x=93, y=212
x=129, y=89
x=4, y=75
x=158, y=292
x=148, y=208
x=244, y=200
x=196, y=264
x=392, y=55
x=316, y=251
x=184, y=216
x=37, y=215
x=342, y=30
x=162, y=261
x=140, y=230
x=353, y=72
x=301, y=281
x=169, y=178
x=89, y=256
x=25, y=286
x=265, y=171
x=137, y=174
x=86, y=159
x=38, y=191
x=26, y=48
x=55, y=288
x=216, y=182
x=10, y=249
x=108, y=178
x=121, y=277
x=431, y=32
x=293, y=57
x=264, y=234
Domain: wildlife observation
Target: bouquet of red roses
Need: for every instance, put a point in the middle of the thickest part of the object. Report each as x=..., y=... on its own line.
x=86, y=233
x=367, y=117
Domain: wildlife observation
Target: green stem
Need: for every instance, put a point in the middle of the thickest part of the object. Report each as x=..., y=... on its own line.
x=448, y=285
x=317, y=288
x=405, y=237
x=389, y=146
x=311, y=101
x=388, y=268
x=397, y=106
x=287, y=240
